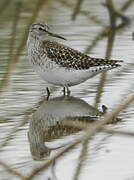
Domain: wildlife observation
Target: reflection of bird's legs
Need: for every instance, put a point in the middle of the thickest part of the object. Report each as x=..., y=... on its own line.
x=68, y=91
x=48, y=93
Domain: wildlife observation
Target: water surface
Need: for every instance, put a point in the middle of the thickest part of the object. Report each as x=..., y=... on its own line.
x=23, y=96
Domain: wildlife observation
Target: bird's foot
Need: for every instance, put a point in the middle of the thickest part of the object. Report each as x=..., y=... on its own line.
x=104, y=109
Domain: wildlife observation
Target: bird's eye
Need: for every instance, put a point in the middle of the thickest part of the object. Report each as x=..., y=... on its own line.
x=41, y=29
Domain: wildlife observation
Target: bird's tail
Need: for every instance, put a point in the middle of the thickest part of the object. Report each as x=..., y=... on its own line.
x=105, y=62
x=102, y=65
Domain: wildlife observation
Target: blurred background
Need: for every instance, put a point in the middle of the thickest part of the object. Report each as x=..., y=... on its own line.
x=28, y=122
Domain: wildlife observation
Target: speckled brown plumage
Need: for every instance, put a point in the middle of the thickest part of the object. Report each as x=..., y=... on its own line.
x=70, y=58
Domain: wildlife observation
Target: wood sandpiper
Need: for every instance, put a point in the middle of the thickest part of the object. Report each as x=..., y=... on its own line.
x=61, y=65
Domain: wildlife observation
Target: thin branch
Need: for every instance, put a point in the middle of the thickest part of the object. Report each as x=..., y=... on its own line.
x=16, y=128
x=110, y=43
x=106, y=30
x=118, y=132
x=18, y=6
x=98, y=37
x=11, y=134
x=82, y=158
x=126, y=5
x=84, y=126
x=4, y=83
x=12, y=171
x=87, y=14
x=57, y=156
x=77, y=9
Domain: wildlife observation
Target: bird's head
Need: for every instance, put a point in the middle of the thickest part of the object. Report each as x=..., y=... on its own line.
x=41, y=31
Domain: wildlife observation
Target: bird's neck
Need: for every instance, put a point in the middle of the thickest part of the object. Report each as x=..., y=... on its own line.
x=34, y=41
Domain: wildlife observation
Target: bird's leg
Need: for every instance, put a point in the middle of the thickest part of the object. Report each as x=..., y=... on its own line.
x=68, y=91
x=48, y=93
x=64, y=91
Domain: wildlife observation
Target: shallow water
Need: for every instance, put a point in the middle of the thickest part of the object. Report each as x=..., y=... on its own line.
x=23, y=97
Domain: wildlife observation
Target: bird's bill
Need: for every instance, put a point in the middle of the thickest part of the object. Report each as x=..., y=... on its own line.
x=56, y=35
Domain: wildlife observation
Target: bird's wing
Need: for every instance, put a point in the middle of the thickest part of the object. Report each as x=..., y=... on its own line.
x=70, y=58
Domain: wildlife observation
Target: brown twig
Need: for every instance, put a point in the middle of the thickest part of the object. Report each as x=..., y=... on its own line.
x=82, y=158
x=5, y=81
x=126, y=5
x=110, y=42
x=84, y=126
x=77, y=9
x=12, y=171
x=15, y=58
x=87, y=14
x=106, y=30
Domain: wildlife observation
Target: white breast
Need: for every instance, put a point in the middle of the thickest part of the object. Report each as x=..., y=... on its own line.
x=61, y=76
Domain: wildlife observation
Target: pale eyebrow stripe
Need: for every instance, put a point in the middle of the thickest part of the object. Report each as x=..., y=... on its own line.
x=41, y=25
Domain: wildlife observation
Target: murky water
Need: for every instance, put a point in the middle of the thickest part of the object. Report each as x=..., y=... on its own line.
x=31, y=127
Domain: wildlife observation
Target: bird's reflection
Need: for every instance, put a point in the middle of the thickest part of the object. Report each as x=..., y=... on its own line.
x=46, y=123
